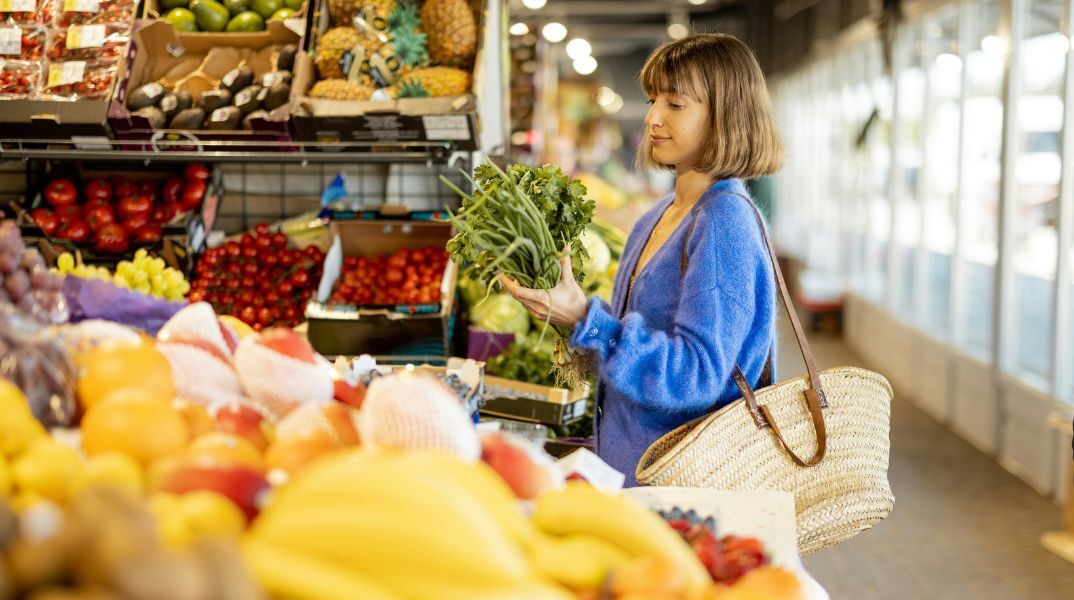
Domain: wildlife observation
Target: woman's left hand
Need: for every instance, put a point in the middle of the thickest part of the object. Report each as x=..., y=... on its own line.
x=564, y=305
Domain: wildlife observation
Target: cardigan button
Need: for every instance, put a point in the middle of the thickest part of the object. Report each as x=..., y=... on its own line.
x=593, y=332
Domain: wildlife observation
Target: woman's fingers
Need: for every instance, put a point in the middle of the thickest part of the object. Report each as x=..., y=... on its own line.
x=515, y=289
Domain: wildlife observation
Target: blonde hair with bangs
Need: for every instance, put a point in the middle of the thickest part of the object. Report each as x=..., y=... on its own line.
x=720, y=71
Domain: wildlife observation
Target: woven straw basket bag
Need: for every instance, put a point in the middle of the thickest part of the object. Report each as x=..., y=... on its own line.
x=839, y=417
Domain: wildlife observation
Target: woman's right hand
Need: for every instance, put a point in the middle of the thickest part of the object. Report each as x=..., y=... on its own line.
x=564, y=305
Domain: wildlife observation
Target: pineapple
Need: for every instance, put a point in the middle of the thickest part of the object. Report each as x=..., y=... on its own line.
x=331, y=48
x=342, y=11
x=452, y=32
x=340, y=89
x=433, y=81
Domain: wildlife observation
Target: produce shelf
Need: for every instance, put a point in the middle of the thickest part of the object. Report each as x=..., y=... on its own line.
x=229, y=151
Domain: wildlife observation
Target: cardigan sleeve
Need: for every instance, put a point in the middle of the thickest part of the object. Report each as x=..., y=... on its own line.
x=685, y=371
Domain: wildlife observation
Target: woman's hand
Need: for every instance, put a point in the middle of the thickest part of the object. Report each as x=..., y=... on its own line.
x=564, y=305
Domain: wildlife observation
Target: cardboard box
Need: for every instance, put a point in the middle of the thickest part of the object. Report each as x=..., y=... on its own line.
x=157, y=48
x=530, y=402
x=410, y=330
x=452, y=119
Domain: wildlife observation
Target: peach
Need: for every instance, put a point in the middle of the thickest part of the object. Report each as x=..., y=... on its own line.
x=525, y=477
x=291, y=455
x=242, y=485
x=288, y=343
x=245, y=422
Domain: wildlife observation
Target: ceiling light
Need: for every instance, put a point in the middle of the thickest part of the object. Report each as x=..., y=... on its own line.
x=585, y=65
x=605, y=96
x=577, y=48
x=697, y=2
x=534, y=4
x=614, y=106
x=519, y=29
x=994, y=45
x=554, y=32
x=677, y=31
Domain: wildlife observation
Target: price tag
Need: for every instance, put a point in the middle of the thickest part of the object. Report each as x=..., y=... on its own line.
x=86, y=36
x=18, y=5
x=87, y=6
x=11, y=40
x=65, y=73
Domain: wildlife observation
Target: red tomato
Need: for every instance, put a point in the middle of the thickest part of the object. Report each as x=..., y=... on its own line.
x=248, y=315
x=193, y=193
x=135, y=222
x=112, y=238
x=261, y=229
x=196, y=171
x=394, y=276
x=133, y=205
x=123, y=188
x=100, y=215
x=148, y=234
x=300, y=279
x=279, y=239
x=46, y=220
x=75, y=230
x=172, y=190
x=99, y=189
x=61, y=192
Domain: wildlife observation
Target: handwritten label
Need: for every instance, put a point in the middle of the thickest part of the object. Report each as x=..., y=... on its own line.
x=65, y=73
x=87, y=6
x=11, y=40
x=86, y=36
x=18, y=5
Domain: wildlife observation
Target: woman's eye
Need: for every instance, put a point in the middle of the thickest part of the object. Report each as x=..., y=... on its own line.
x=675, y=106
x=650, y=101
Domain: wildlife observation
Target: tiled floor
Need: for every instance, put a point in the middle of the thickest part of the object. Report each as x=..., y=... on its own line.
x=962, y=527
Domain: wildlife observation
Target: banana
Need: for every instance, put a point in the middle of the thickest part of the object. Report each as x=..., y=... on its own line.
x=421, y=535
x=300, y=577
x=580, y=562
x=581, y=508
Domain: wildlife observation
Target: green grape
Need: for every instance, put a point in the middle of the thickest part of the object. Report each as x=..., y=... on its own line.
x=141, y=254
x=125, y=268
x=184, y=288
x=155, y=266
x=121, y=281
x=142, y=288
x=65, y=262
x=140, y=277
x=158, y=283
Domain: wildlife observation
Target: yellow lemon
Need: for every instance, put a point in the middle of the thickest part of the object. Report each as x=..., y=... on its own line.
x=25, y=500
x=5, y=478
x=48, y=469
x=111, y=469
x=18, y=427
x=163, y=502
x=209, y=514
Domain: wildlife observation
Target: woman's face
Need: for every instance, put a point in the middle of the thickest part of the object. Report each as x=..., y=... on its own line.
x=678, y=128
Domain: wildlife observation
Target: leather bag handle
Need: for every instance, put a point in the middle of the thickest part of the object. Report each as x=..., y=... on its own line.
x=814, y=393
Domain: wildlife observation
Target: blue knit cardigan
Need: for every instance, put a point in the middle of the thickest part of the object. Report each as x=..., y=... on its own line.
x=667, y=356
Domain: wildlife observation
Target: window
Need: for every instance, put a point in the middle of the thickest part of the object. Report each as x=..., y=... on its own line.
x=943, y=121
x=1037, y=171
x=877, y=133
x=982, y=141
x=909, y=163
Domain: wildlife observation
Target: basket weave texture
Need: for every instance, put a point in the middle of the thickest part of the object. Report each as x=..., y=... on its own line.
x=846, y=493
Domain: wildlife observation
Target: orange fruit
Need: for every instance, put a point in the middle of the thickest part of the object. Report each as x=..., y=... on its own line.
x=225, y=448
x=118, y=366
x=134, y=422
x=197, y=417
x=291, y=455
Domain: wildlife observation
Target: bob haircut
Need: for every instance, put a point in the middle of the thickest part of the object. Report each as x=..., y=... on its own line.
x=718, y=70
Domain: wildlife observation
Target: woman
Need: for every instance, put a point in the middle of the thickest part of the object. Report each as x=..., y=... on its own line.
x=695, y=294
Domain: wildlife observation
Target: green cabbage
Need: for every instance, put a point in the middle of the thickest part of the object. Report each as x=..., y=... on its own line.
x=501, y=313
x=600, y=257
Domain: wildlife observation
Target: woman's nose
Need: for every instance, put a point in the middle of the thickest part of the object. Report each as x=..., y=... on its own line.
x=652, y=118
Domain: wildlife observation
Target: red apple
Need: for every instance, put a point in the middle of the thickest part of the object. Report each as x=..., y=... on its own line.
x=99, y=189
x=288, y=343
x=112, y=238
x=244, y=422
x=61, y=192
x=520, y=472
x=241, y=484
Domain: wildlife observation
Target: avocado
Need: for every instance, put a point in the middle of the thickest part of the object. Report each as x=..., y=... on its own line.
x=229, y=117
x=182, y=19
x=246, y=21
x=235, y=7
x=237, y=79
x=211, y=15
x=286, y=60
x=248, y=100
x=265, y=8
x=283, y=13
x=214, y=99
x=147, y=95
x=273, y=77
x=171, y=104
x=277, y=96
x=190, y=119
x=295, y=5
x=247, y=123
x=154, y=115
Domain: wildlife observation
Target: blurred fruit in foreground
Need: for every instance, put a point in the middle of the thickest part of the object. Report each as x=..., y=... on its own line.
x=47, y=468
x=134, y=423
x=115, y=366
x=111, y=469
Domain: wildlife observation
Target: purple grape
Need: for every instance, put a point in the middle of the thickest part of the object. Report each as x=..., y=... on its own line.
x=32, y=258
x=9, y=262
x=17, y=285
x=26, y=303
x=39, y=277
x=4, y=298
